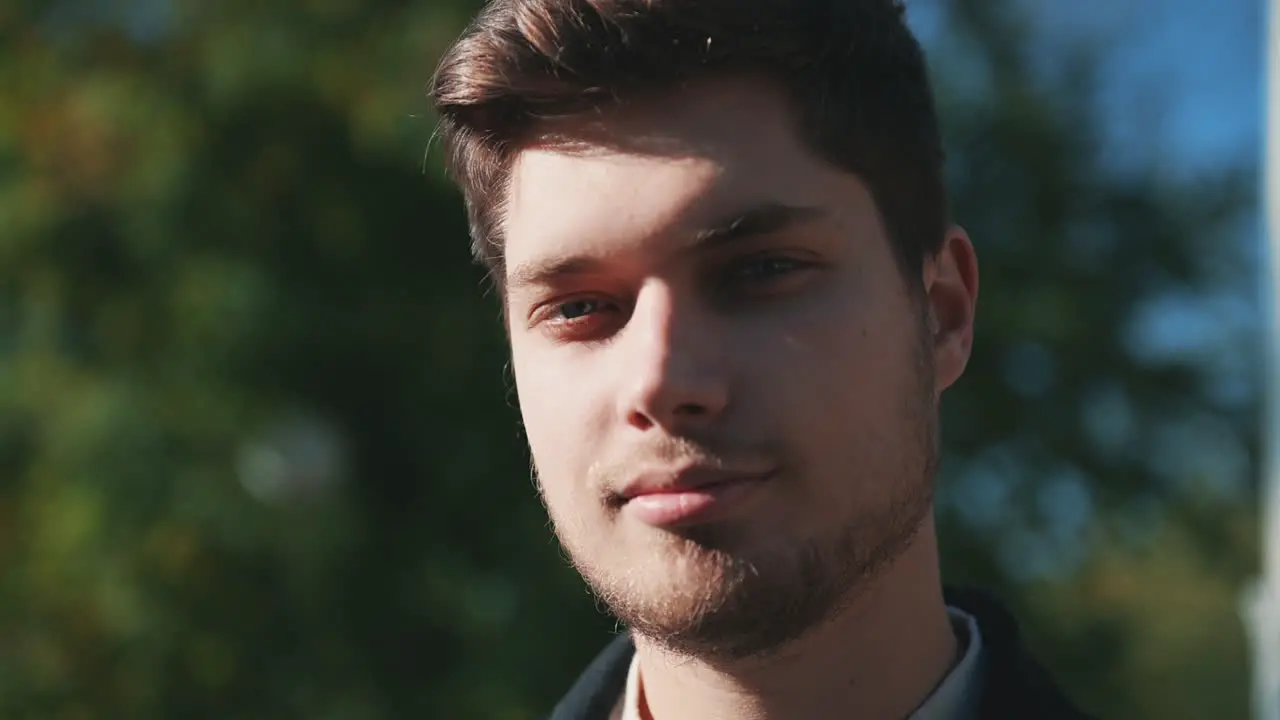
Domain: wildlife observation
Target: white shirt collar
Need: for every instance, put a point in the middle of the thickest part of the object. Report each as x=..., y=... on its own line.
x=955, y=698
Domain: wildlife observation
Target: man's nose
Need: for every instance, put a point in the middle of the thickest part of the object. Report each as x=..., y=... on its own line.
x=673, y=368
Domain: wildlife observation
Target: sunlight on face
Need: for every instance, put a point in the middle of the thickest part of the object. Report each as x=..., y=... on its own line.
x=688, y=287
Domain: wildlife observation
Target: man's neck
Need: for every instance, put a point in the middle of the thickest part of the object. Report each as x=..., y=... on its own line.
x=880, y=658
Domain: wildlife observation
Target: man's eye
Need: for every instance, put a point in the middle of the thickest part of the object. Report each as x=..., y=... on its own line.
x=579, y=320
x=575, y=309
x=763, y=268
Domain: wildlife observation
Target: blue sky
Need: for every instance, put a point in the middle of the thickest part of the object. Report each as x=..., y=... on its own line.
x=1182, y=91
x=1202, y=61
x=1198, y=64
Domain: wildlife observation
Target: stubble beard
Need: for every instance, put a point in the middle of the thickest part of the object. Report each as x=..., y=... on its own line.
x=720, y=604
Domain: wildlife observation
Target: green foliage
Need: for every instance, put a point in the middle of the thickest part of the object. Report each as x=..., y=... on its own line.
x=258, y=455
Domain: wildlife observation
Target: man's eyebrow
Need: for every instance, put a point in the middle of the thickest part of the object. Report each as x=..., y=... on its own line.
x=755, y=222
x=758, y=221
x=547, y=271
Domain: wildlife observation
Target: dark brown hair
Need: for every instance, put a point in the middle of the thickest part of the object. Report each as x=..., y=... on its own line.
x=852, y=68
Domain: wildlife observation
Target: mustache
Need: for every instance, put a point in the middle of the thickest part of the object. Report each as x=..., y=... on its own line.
x=670, y=452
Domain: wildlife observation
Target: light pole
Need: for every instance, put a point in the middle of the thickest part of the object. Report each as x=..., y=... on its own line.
x=1262, y=601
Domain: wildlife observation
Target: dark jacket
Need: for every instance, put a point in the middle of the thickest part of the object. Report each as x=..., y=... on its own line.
x=1014, y=687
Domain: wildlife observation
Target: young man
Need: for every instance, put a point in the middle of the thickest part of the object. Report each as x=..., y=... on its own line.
x=720, y=235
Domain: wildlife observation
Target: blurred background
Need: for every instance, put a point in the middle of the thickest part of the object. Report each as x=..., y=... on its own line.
x=258, y=455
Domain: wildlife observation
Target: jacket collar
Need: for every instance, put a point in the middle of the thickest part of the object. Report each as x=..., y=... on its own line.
x=1015, y=685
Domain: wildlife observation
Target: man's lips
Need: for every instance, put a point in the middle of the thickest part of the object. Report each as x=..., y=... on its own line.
x=690, y=495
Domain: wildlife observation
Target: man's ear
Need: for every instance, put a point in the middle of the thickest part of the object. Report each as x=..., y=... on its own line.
x=950, y=281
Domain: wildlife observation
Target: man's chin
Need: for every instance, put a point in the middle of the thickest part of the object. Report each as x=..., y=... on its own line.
x=703, y=604
x=689, y=575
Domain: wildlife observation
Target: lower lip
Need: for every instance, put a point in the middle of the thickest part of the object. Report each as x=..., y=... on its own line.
x=691, y=506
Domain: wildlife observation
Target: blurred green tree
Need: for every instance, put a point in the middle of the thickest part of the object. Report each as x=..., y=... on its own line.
x=258, y=451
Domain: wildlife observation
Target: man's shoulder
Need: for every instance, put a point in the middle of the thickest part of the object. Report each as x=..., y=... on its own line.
x=598, y=688
x=1014, y=683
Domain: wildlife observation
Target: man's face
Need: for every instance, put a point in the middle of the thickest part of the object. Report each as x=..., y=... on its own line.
x=695, y=297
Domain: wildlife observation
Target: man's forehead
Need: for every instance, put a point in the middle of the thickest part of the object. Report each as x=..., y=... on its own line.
x=574, y=201
x=610, y=184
